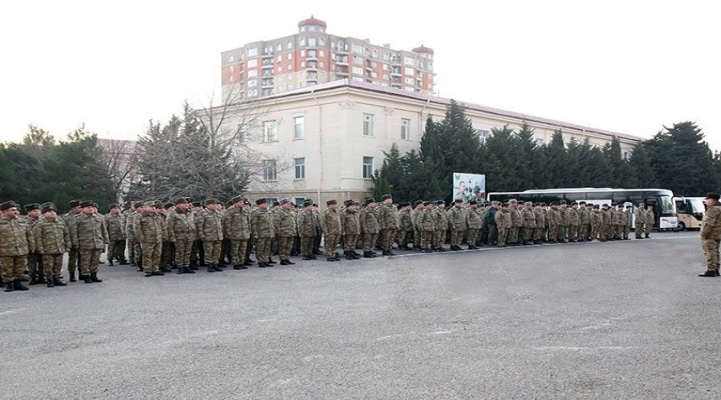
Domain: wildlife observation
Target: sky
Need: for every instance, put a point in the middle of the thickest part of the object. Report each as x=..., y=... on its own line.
x=632, y=67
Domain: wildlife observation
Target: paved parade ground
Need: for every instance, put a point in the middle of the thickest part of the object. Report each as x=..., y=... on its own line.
x=616, y=320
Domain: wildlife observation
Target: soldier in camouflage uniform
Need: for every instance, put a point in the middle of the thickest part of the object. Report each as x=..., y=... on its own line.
x=474, y=222
x=441, y=225
x=180, y=226
x=516, y=223
x=331, y=226
x=89, y=235
x=388, y=221
x=148, y=227
x=574, y=220
x=405, y=226
x=209, y=229
x=539, y=232
x=369, y=227
x=529, y=222
x=167, y=249
x=584, y=222
x=236, y=228
x=504, y=222
x=136, y=255
x=35, y=266
x=711, y=234
x=563, y=226
x=489, y=222
x=197, y=252
x=648, y=223
x=553, y=217
x=417, y=209
x=427, y=225
x=457, y=224
x=350, y=226
x=285, y=230
x=640, y=217
x=308, y=224
x=596, y=222
x=261, y=228
x=73, y=259
x=52, y=240
x=16, y=241
x=628, y=219
x=605, y=228
x=116, y=235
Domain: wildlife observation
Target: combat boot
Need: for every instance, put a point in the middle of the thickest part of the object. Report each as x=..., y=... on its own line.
x=709, y=274
x=72, y=277
x=86, y=278
x=8, y=287
x=348, y=256
x=94, y=277
x=210, y=268
x=58, y=282
x=50, y=283
x=18, y=285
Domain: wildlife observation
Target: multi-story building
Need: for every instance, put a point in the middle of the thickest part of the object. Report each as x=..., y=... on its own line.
x=325, y=141
x=312, y=56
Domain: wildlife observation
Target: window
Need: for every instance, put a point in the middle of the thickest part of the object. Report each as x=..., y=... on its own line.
x=252, y=73
x=358, y=70
x=298, y=127
x=252, y=63
x=299, y=201
x=270, y=131
x=300, y=168
x=367, y=124
x=367, y=167
x=483, y=135
x=253, y=52
x=357, y=49
x=405, y=129
x=311, y=42
x=270, y=170
x=410, y=71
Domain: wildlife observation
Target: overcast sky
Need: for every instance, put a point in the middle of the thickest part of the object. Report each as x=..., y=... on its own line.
x=626, y=66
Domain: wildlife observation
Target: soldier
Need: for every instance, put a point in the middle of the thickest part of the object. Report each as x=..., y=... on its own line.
x=596, y=222
x=574, y=220
x=584, y=222
x=711, y=234
x=261, y=227
x=504, y=221
x=197, y=252
x=16, y=241
x=563, y=225
x=529, y=222
x=553, y=217
x=628, y=219
x=167, y=248
x=640, y=220
x=236, y=228
x=457, y=224
x=516, y=222
x=89, y=235
x=209, y=229
x=148, y=228
x=489, y=222
x=136, y=257
x=650, y=218
x=307, y=223
x=34, y=267
x=350, y=221
x=52, y=239
x=540, y=229
x=427, y=225
x=388, y=224
x=474, y=222
x=331, y=226
x=73, y=257
x=417, y=210
x=604, y=229
x=617, y=222
x=369, y=227
x=405, y=226
x=180, y=226
x=285, y=231
x=441, y=224
x=116, y=235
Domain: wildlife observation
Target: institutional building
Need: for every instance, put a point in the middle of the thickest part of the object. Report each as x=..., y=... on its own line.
x=325, y=141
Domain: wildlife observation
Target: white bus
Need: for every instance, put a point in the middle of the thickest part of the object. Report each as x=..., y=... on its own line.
x=690, y=212
x=661, y=200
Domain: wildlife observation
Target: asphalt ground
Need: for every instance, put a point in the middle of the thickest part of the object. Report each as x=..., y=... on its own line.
x=615, y=320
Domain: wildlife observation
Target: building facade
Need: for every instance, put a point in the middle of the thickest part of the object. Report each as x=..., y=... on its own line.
x=313, y=56
x=325, y=142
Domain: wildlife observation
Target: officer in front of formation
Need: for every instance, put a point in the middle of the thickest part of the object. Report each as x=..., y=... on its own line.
x=711, y=234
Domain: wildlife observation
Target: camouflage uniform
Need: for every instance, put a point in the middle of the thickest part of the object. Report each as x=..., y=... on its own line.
x=604, y=229
x=261, y=228
x=388, y=221
x=596, y=222
x=711, y=236
x=180, y=225
x=540, y=229
x=209, y=230
x=474, y=222
x=285, y=231
x=16, y=241
x=574, y=220
x=73, y=254
x=457, y=225
x=516, y=223
x=116, y=235
x=35, y=261
x=331, y=226
x=441, y=224
x=427, y=225
x=350, y=221
x=417, y=210
x=504, y=222
x=369, y=227
x=405, y=226
x=650, y=219
x=563, y=225
x=148, y=228
x=136, y=254
x=236, y=227
x=529, y=222
x=89, y=235
x=640, y=220
x=307, y=223
x=553, y=217
x=52, y=240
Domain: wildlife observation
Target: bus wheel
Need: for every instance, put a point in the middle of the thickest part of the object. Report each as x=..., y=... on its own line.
x=681, y=226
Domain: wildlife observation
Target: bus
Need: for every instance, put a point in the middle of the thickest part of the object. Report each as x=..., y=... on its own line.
x=661, y=200
x=690, y=212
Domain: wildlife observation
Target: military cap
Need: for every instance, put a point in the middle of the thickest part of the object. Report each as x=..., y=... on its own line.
x=417, y=202
x=554, y=203
x=149, y=203
x=426, y=203
x=439, y=202
x=505, y=204
x=458, y=201
x=574, y=204
x=355, y=203
x=404, y=204
x=138, y=204
x=596, y=206
x=307, y=203
x=168, y=205
x=473, y=202
x=348, y=202
x=714, y=196
x=86, y=203
x=197, y=204
x=329, y=202
x=284, y=201
x=211, y=201
x=188, y=199
x=31, y=206
x=8, y=205
x=261, y=201
x=181, y=200
x=112, y=205
x=276, y=204
x=74, y=203
x=236, y=199
x=47, y=207
x=48, y=203
x=368, y=200
x=386, y=197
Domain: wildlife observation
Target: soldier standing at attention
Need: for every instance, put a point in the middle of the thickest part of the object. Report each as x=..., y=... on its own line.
x=553, y=217
x=180, y=225
x=116, y=235
x=35, y=266
x=516, y=222
x=711, y=234
x=285, y=231
x=474, y=223
x=457, y=224
x=16, y=241
x=197, y=253
x=148, y=228
x=574, y=220
x=73, y=260
x=405, y=226
x=136, y=255
x=52, y=240
x=388, y=224
x=650, y=218
x=440, y=220
x=330, y=224
x=584, y=222
x=89, y=235
x=540, y=229
x=427, y=225
x=307, y=223
x=529, y=222
x=596, y=222
x=489, y=221
x=628, y=214
x=640, y=216
x=369, y=227
x=417, y=210
x=351, y=229
x=261, y=227
x=236, y=228
x=503, y=224
x=563, y=226
x=209, y=225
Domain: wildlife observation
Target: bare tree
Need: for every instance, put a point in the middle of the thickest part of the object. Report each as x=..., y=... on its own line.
x=119, y=157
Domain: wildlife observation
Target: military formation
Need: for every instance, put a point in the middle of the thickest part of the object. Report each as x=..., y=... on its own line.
x=185, y=236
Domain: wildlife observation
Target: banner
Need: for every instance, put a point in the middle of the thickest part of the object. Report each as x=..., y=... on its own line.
x=469, y=186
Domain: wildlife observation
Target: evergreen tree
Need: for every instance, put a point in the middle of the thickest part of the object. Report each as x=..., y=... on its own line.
x=557, y=161
x=644, y=171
